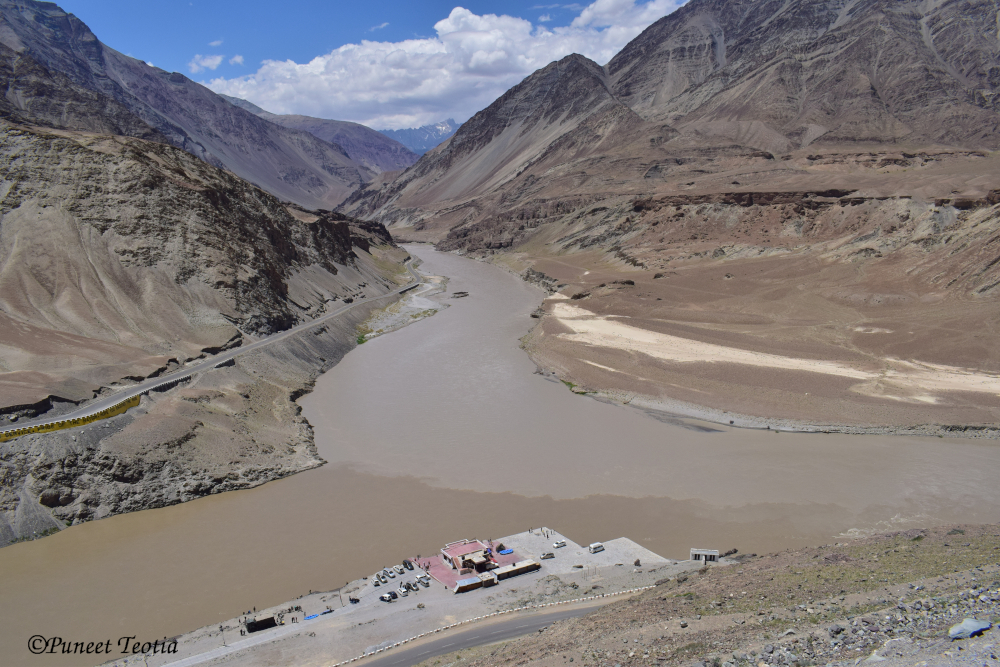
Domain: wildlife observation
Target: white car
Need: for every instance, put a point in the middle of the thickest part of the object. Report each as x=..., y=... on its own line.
x=398, y=569
x=559, y=545
x=403, y=592
x=389, y=573
x=426, y=583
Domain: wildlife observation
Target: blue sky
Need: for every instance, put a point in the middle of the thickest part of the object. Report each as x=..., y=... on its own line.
x=386, y=64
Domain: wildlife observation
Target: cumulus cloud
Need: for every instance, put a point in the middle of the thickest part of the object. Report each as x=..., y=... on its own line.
x=200, y=63
x=216, y=43
x=236, y=60
x=472, y=60
x=378, y=27
x=544, y=18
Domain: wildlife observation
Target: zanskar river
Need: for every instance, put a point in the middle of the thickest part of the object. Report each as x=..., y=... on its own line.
x=443, y=430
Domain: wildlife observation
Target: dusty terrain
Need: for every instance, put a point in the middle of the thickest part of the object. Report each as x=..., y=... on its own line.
x=101, y=288
x=801, y=194
x=895, y=595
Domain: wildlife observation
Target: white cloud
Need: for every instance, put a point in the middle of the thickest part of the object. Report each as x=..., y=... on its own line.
x=216, y=43
x=200, y=62
x=378, y=27
x=471, y=61
x=236, y=60
x=544, y=18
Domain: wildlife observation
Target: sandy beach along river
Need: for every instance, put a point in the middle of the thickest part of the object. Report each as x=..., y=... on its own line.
x=442, y=430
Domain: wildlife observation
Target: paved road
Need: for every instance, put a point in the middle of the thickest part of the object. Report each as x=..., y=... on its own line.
x=213, y=361
x=517, y=625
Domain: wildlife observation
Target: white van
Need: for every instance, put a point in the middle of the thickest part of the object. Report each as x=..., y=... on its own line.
x=595, y=547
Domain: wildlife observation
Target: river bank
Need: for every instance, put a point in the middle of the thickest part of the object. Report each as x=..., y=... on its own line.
x=442, y=429
x=686, y=344
x=233, y=426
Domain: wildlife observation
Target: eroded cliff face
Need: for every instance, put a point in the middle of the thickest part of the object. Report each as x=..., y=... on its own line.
x=37, y=96
x=137, y=252
x=123, y=258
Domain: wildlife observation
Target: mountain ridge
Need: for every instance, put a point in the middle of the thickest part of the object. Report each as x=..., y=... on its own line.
x=292, y=164
x=367, y=147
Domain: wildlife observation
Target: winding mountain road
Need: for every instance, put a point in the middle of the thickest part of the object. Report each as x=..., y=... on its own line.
x=488, y=633
x=213, y=361
x=516, y=625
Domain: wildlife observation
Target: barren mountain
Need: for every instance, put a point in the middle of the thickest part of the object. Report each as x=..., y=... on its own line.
x=292, y=164
x=369, y=148
x=832, y=70
x=157, y=255
x=123, y=258
x=36, y=95
x=803, y=180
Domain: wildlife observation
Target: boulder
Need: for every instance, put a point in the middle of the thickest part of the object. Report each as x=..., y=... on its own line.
x=970, y=627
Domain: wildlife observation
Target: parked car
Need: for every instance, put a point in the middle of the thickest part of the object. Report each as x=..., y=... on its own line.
x=376, y=581
x=389, y=573
x=547, y=555
x=393, y=594
x=402, y=591
x=595, y=547
x=559, y=545
x=398, y=569
x=383, y=578
x=407, y=564
x=385, y=597
x=424, y=581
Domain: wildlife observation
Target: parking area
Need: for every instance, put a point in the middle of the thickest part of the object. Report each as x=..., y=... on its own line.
x=620, y=552
x=352, y=629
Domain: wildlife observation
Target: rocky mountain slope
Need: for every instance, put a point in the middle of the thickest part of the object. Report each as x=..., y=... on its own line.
x=123, y=258
x=553, y=113
x=718, y=79
x=291, y=164
x=369, y=148
x=835, y=71
x=839, y=148
x=36, y=95
x=422, y=139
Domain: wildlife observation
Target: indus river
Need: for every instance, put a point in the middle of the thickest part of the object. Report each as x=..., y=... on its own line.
x=443, y=430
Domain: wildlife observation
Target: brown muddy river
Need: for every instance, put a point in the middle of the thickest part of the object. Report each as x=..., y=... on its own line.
x=441, y=431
